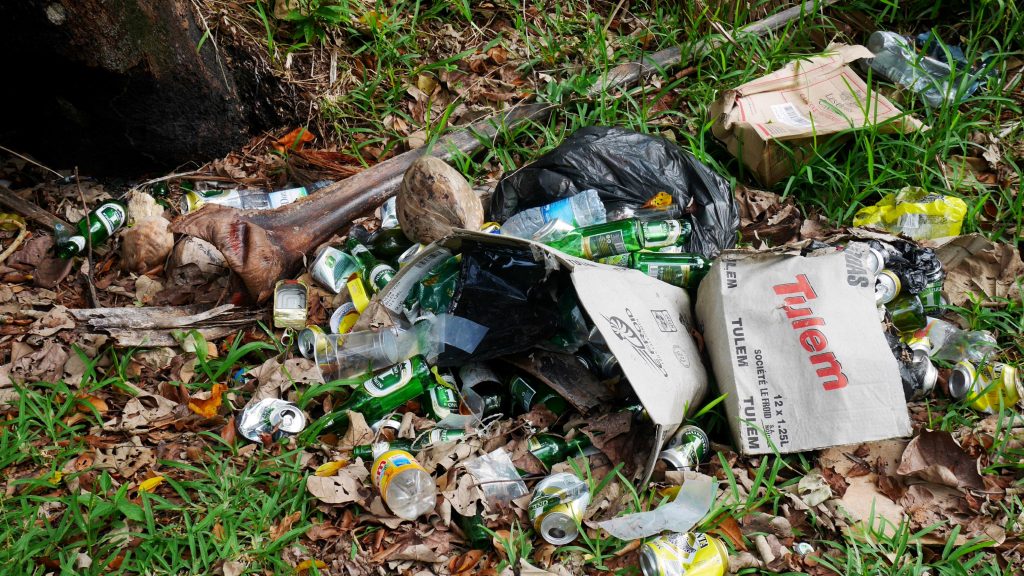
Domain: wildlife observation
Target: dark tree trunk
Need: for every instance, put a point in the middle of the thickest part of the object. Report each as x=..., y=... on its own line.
x=118, y=86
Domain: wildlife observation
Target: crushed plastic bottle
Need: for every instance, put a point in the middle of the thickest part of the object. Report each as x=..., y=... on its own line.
x=582, y=209
x=896, y=59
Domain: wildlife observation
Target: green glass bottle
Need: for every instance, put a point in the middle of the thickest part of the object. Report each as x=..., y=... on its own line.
x=381, y=394
x=620, y=237
x=679, y=269
x=371, y=451
x=491, y=396
x=907, y=313
x=475, y=531
x=375, y=273
x=527, y=394
x=388, y=243
x=442, y=396
x=97, y=226
x=551, y=449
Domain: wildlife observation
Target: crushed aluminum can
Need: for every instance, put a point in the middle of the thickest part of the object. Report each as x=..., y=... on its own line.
x=290, y=298
x=984, y=388
x=887, y=286
x=312, y=339
x=557, y=507
x=687, y=449
x=344, y=318
x=273, y=416
x=410, y=254
x=689, y=553
x=332, y=268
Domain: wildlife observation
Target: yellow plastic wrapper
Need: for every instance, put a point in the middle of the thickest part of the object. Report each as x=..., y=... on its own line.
x=916, y=213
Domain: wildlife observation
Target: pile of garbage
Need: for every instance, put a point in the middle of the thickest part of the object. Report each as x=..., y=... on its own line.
x=566, y=307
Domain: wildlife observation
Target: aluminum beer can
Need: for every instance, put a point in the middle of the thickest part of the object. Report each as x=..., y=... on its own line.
x=689, y=553
x=312, y=339
x=557, y=507
x=688, y=448
x=344, y=318
x=331, y=268
x=983, y=388
x=272, y=416
x=290, y=297
x=887, y=286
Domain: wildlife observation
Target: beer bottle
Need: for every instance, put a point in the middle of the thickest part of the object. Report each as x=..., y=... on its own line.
x=442, y=397
x=97, y=226
x=376, y=274
x=388, y=243
x=682, y=269
x=526, y=395
x=475, y=531
x=381, y=394
x=551, y=449
x=370, y=451
x=489, y=396
x=620, y=237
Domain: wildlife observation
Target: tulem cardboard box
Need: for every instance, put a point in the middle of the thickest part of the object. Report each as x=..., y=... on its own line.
x=645, y=322
x=796, y=344
x=771, y=124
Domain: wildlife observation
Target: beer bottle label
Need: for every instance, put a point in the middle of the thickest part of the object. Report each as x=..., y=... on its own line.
x=391, y=380
x=605, y=244
x=112, y=216
x=522, y=393
x=380, y=275
x=662, y=233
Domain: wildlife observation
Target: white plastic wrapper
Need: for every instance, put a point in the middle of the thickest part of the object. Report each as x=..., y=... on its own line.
x=680, y=515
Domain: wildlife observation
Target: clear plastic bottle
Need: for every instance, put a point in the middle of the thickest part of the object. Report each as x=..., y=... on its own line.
x=406, y=487
x=896, y=59
x=582, y=209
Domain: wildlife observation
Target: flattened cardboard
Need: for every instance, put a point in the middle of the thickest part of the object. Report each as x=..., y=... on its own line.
x=645, y=322
x=789, y=108
x=795, y=344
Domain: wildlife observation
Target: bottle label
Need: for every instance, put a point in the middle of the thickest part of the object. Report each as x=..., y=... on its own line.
x=281, y=197
x=560, y=210
x=620, y=260
x=606, y=244
x=662, y=233
x=522, y=393
x=443, y=402
x=391, y=380
x=380, y=275
x=79, y=242
x=112, y=216
x=389, y=465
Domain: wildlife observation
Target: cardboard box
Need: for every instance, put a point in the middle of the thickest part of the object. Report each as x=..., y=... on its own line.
x=771, y=123
x=795, y=342
x=645, y=322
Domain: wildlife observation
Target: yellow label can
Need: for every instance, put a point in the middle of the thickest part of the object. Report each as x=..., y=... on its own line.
x=689, y=553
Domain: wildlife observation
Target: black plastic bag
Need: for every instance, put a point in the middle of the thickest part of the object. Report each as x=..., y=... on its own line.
x=627, y=169
x=510, y=293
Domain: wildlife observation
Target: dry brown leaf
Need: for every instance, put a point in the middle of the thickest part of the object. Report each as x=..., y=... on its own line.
x=229, y=432
x=233, y=568
x=466, y=562
x=208, y=407
x=323, y=532
x=936, y=457
x=975, y=264
x=729, y=528
x=142, y=411
x=345, y=487
x=284, y=525
x=56, y=319
x=125, y=459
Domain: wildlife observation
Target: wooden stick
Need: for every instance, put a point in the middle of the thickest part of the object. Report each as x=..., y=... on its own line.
x=633, y=72
x=11, y=201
